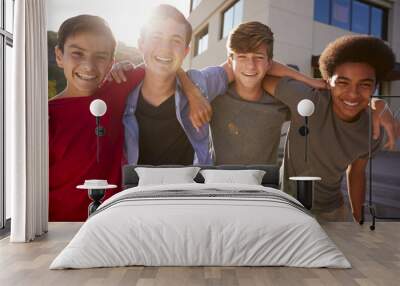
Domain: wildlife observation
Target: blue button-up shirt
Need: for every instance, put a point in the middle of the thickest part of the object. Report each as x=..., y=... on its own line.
x=211, y=81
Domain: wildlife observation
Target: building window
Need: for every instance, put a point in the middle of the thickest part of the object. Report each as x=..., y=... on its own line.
x=378, y=23
x=341, y=14
x=231, y=18
x=354, y=15
x=194, y=4
x=201, y=41
x=322, y=11
x=6, y=43
x=360, y=17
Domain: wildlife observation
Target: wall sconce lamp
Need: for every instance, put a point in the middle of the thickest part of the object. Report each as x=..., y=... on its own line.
x=98, y=108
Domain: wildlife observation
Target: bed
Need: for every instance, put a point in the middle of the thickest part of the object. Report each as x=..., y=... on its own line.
x=201, y=224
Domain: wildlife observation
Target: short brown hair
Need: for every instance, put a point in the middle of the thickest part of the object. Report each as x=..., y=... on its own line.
x=84, y=23
x=164, y=12
x=247, y=37
x=357, y=49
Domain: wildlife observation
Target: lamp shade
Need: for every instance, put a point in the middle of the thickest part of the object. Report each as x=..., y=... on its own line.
x=98, y=107
x=305, y=107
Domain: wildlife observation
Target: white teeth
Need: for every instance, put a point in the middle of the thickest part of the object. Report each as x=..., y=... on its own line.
x=163, y=59
x=85, y=76
x=250, y=74
x=350, y=103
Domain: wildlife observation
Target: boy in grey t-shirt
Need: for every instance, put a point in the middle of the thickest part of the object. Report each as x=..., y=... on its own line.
x=247, y=121
x=338, y=138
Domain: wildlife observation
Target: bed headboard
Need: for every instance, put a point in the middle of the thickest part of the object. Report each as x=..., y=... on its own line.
x=271, y=178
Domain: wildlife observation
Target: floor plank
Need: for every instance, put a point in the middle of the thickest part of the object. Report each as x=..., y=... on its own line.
x=375, y=257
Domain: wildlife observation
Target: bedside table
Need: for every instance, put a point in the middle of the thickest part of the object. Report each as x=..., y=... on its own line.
x=96, y=191
x=305, y=190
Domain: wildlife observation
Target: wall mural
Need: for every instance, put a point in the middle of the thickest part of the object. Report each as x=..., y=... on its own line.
x=112, y=103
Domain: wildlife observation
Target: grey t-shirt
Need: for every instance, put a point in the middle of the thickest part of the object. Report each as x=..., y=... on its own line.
x=246, y=132
x=333, y=144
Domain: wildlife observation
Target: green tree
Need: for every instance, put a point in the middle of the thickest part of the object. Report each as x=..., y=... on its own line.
x=52, y=88
x=55, y=73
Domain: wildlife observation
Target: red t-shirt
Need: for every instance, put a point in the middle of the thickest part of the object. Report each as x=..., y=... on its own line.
x=72, y=147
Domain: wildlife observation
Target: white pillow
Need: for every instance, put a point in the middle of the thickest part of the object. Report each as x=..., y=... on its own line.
x=162, y=176
x=248, y=177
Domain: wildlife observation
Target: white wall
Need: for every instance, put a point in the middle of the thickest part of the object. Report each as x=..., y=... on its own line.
x=208, y=12
x=297, y=36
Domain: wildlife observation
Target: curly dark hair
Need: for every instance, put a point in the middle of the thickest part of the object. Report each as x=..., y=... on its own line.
x=357, y=49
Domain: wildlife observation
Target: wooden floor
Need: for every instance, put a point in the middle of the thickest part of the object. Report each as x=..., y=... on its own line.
x=375, y=256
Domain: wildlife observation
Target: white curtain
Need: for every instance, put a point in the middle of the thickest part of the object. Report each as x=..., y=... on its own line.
x=27, y=124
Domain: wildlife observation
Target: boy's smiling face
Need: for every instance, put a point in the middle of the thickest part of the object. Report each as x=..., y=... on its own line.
x=351, y=86
x=250, y=68
x=86, y=60
x=164, y=47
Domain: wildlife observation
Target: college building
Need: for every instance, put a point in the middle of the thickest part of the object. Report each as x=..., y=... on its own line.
x=302, y=28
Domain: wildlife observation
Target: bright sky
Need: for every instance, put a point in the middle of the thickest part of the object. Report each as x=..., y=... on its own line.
x=124, y=16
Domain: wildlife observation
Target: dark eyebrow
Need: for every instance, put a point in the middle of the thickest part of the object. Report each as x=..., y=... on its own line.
x=73, y=46
x=103, y=53
x=363, y=80
x=76, y=47
x=368, y=80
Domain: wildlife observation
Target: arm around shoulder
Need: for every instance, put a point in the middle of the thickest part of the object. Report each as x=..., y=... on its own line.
x=356, y=186
x=217, y=81
x=280, y=70
x=200, y=111
x=135, y=76
x=270, y=83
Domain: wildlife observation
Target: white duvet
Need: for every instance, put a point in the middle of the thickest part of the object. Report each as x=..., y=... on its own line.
x=183, y=231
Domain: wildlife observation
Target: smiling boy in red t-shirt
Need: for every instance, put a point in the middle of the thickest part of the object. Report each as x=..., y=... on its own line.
x=85, y=51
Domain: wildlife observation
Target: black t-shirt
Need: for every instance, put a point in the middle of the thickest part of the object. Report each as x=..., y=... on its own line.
x=162, y=140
